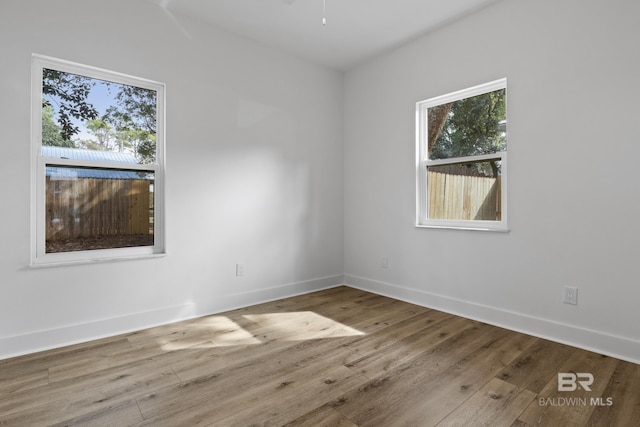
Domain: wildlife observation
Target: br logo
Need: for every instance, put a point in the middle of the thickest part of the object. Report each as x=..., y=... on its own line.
x=568, y=381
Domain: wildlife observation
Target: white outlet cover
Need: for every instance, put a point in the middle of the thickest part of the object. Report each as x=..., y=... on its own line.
x=239, y=270
x=570, y=295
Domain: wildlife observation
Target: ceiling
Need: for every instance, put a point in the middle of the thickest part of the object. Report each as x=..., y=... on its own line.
x=355, y=30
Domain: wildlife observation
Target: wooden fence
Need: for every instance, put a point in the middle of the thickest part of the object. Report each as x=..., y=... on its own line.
x=464, y=197
x=87, y=207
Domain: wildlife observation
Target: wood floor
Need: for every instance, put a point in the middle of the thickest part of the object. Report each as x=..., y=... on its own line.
x=340, y=357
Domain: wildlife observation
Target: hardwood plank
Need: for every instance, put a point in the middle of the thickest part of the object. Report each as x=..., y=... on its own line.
x=64, y=355
x=200, y=330
x=74, y=397
x=190, y=333
x=378, y=361
x=297, y=400
x=248, y=374
x=571, y=408
x=207, y=400
x=386, y=314
x=231, y=357
x=299, y=326
x=624, y=391
x=16, y=381
x=386, y=395
x=338, y=357
x=433, y=384
x=496, y=404
x=537, y=364
x=300, y=302
x=122, y=414
x=324, y=416
x=78, y=368
x=394, y=333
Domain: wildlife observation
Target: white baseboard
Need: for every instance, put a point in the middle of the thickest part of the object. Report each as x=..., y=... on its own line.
x=600, y=342
x=597, y=341
x=73, y=334
x=245, y=299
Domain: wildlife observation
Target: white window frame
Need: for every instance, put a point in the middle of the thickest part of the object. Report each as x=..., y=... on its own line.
x=423, y=163
x=39, y=257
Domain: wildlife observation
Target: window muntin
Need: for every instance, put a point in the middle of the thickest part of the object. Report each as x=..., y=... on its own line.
x=98, y=164
x=461, y=159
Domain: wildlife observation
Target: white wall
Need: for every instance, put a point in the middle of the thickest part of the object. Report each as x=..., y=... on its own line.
x=255, y=154
x=573, y=73
x=254, y=173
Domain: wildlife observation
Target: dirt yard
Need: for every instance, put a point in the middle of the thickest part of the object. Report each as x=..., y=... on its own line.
x=99, y=242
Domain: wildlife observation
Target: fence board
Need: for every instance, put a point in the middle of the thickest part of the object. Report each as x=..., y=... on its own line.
x=463, y=197
x=88, y=207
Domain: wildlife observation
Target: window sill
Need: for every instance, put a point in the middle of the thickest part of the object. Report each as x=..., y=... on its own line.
x=471, y=227
x=36, y=264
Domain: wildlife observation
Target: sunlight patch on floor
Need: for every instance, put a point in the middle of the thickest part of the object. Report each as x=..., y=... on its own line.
x=221, y=331
x=299, y=326
x=216, y=331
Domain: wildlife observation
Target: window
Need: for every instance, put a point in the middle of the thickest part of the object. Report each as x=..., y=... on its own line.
x=97, y=164
x=462, y=159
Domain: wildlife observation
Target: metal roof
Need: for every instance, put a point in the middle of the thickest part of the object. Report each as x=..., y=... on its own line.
x=67, y=172
x=83, y=154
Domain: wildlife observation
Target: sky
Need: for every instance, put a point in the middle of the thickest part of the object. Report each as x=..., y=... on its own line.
x=102, y=95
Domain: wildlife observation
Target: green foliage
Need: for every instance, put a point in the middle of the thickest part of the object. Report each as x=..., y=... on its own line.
x=129, y=124
x=474, y=126
x=142, y=142
x=134, y=118
x=69, y=92
x=51, y=132
x=138, y=106
x=103, y=133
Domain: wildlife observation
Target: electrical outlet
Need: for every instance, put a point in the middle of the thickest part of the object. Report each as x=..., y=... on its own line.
x=570, y=295
x=384, y=262
x=239, y=270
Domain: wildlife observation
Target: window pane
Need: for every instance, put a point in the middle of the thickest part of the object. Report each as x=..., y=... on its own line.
x=465, y=191
x=100, y=119
x=89, y=209
x=468, y=127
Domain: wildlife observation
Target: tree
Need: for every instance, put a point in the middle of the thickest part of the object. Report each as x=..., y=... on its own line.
x=138, y=105
x=141, y=142
x=103, y=132
x=51, y=132
x=436, y=118
x=474, y=126
x=128, y=124
x=69, y=92
x=134, y=118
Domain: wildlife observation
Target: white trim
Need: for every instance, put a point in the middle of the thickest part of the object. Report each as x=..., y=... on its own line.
x=479, y=225
x=464, y=225
x=42, y=61
x=467, y=159
x=39, y=162
x=423, y=162
x=464, y=93
x=98, y=164
x=620, y=347
x=31, y=342
x=97, y=256
x=592, y=340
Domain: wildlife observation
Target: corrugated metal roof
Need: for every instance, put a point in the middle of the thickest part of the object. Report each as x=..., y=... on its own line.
x=65, y=172
x=82, y=154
